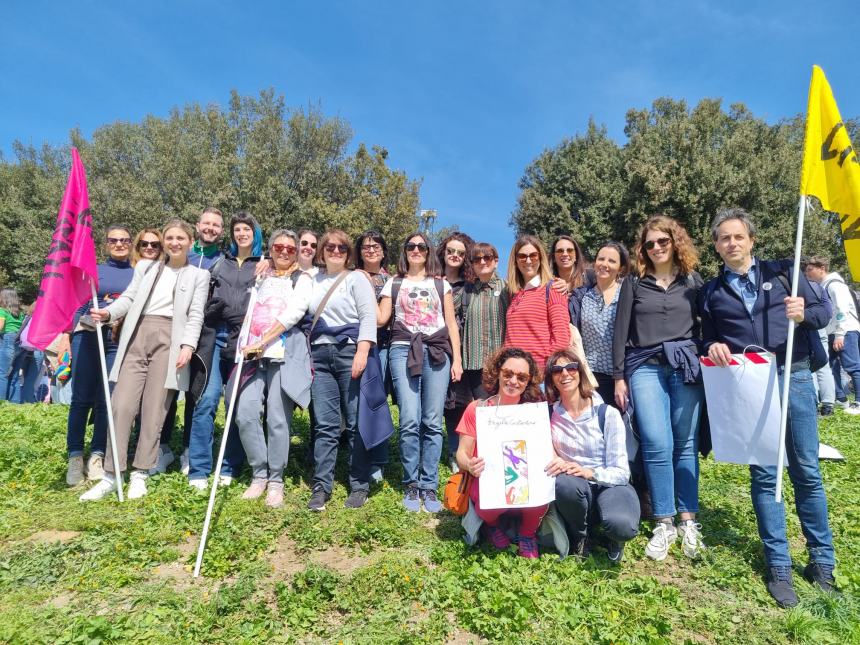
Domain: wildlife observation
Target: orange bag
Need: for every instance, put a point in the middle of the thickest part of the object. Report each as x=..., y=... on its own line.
x=456, y=495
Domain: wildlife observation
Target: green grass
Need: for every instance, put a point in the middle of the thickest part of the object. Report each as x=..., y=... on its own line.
x=110, y=572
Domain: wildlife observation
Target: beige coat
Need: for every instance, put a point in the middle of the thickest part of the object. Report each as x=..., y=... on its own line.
x=192, y=287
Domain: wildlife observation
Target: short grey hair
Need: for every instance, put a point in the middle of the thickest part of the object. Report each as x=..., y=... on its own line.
x=733, y=212
x=282, y=232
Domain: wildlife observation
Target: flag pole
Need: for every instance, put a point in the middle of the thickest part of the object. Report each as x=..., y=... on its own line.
x=240, y=356
x=111, y=431
x=789, y=350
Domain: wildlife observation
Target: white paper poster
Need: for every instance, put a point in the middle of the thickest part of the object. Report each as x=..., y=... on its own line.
x=743, y=408
x=516, y=445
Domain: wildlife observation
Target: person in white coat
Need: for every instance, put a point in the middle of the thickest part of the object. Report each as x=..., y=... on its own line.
x=163, y=312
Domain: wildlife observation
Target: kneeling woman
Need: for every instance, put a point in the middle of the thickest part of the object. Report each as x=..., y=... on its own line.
x=163, y=310
x=592, y=474
x=281, y=377
x=511, y=376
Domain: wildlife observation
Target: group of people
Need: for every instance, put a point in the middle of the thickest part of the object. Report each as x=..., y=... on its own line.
x=612, y=348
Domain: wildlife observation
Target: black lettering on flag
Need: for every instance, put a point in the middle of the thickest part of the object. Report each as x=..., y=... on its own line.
x=844, y=155
x=52, y=274
x=852, y=230
x=826, y=152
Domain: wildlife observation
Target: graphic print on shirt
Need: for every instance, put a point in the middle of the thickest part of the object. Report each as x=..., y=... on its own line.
x=420, y=308
x=515, y=459
x=271, y=300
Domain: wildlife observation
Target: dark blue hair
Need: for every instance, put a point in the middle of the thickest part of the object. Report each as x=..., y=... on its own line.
x=244, y=217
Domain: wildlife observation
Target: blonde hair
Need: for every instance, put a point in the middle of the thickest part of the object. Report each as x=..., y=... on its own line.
x=515, y=279
x=135, y=252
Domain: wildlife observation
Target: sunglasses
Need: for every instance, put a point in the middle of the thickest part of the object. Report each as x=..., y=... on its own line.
x=457, y=252
x=289, y=249
x=411, y=246
x=661, y=241
x=146, y=244
x=565, y=251
x=371, y=247
x=522, y=377
x=522, y=257
x=340, y=248
x=119, y=241
x=572, y=367
x=313, y=245
x=478, y=259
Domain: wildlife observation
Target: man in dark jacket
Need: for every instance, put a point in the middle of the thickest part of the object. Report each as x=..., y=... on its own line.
x=750, y=303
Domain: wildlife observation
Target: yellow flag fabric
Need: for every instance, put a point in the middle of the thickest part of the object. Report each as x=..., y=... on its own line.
x=831, y=168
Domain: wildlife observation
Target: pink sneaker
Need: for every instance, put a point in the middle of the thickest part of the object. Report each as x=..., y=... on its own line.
x=528, y=547
x=497, y=537
x=275, y=495
x=257, y=488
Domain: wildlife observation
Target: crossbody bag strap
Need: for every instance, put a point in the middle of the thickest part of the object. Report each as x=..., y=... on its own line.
x=323, y=302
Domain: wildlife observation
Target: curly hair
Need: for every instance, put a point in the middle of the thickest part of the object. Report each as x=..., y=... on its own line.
x=585, y=388
x=577, y=276
x=493, y=365
x=466, y=272
x=685, y=256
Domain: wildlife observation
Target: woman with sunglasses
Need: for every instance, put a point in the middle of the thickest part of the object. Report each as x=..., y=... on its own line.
x=511, y=376
x=655, y=358
x=592, y=476
x=308, y=251
x=537, y=319
x=280, y=376
x=163, y=314
x=455, y=258
x=568, y=264
x=344, y=304
x=146, y=246
x=88, y=395
x=424, y=357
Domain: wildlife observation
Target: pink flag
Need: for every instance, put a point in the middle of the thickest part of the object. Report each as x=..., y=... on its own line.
x=70, y=264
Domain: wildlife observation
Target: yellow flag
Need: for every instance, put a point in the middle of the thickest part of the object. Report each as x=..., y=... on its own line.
x=831, y=168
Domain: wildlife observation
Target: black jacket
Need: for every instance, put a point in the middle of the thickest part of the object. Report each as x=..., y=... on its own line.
x=231, y=292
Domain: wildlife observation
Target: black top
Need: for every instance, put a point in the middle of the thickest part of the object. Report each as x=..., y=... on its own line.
x=648, y=315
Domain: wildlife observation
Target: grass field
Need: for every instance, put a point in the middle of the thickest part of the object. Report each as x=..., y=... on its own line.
x=110, y=572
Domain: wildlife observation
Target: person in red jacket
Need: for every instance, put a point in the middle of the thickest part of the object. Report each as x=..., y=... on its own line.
x=537, y=319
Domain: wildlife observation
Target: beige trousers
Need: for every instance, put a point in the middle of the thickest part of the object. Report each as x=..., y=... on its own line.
x=140, y=389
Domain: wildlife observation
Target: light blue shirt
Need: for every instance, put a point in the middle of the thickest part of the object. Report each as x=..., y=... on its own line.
x=744, y=285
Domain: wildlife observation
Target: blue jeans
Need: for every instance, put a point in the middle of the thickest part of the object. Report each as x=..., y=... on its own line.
x=88, y=392
x=379, y=454
x=801, y=448
x=7, y=354
x=667, y=412
x=335, y=394
x=422, y=401
x=24, y=375
x=849, y=359
x=203, y=424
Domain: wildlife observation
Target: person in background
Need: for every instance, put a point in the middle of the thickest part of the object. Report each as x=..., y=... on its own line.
x=163, y=314
x=146, y=246
x=424, y=356
x=308, y=251
x=344, y=304
x=750, y=303
x=537, y=318
x=824, y=382
x=655, y=351
x=372, y=258
x=592, y=485
x=88, y=394
x=568, y=264
x=11, y=319
x=511, y=377
x=455, y=257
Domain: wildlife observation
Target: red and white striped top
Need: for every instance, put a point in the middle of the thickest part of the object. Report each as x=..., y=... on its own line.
x=537, y=323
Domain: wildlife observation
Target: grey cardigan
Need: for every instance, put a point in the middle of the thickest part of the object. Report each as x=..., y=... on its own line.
x=192, y=285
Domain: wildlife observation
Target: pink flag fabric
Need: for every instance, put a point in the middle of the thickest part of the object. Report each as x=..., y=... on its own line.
x=70, y=264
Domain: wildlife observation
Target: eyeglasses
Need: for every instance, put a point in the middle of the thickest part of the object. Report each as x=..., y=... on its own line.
x=661, y=241
x=340, y=248
x=570, y=251
x=313, y=245
x=522, y=257
x=411, y=246
x=289, y=249
x=371, y=247
x=119, y=241
x=522, y=377
x=478, y=259
x=146, y=244
x=457, y=252
x=572, y=367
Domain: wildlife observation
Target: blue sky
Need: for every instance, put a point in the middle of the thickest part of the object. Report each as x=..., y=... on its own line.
x=463, y=94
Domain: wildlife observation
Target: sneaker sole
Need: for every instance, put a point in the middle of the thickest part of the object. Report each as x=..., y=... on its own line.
x=657, y=557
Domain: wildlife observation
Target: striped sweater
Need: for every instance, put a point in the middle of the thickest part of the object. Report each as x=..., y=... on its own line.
x=538, y=324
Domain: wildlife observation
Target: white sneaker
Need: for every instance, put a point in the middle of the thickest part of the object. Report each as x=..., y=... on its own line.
x=661, y=539
x=691, y=538
x=165, y=458
x=184, y=465
x=137, y=484
x=102, y=489
x=225, y=480
x=854, y=408
x=75, y=471
x=95, y=467
x=199, y=484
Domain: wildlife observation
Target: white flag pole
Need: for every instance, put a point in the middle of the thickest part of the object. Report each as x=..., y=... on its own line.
x=240, y=362
x=789, y=351
x=103, y=361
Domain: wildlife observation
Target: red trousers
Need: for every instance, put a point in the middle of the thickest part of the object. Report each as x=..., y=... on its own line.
x=529, y=517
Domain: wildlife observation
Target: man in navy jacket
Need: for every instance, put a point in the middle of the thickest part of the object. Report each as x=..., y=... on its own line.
x=750, y=303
